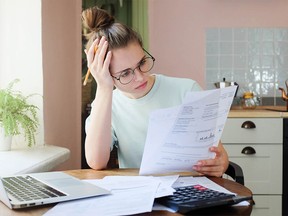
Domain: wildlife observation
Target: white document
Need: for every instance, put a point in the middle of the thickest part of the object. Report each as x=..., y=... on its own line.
x=130, y=195
x=180, y=136
x=164, y=189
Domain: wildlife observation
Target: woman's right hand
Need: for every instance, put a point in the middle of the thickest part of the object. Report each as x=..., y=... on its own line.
x=98, y=133
x=99, y=64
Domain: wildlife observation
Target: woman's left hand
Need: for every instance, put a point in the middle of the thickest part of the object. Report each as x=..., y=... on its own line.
x=216, y=166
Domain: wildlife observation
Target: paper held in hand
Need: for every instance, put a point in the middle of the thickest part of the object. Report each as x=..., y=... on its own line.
x=178, y=137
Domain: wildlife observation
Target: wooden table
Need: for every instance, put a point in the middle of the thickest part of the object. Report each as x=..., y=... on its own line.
x=92, y=174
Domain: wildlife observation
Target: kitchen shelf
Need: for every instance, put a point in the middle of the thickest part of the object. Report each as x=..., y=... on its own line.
x=260, y=111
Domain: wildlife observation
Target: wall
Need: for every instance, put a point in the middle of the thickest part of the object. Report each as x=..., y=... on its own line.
x=61, y=31
x=176, y=39
x=177, y=33
x=21, y=54
x=257, y=58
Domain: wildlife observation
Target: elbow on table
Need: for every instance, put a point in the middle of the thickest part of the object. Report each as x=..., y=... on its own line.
x=96, y=165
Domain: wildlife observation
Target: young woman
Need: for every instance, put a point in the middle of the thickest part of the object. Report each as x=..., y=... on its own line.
x=126, y=93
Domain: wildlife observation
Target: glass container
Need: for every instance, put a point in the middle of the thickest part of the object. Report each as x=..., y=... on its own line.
x=248, y=101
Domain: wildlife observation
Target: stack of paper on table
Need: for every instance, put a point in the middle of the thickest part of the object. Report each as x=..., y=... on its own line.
x=130, y=195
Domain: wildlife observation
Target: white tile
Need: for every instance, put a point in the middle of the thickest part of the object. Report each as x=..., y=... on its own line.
x=213, y=75
x=253, y=61
x=212, y=34
x=254, y=48
x=267, y=61
x=240, y=34
x=281, y=34
x=267, y=34
x=281, y=76
x=253, y=75
x=238, y=76
x=282, y=47
x=267, y=89
x=226, y=62
x=268, y=48
x=240, y=48
x=226, y=48
x=256, y=58
x=240, y=61
x=212, y=48
x=212, y=62
x=268, y=75
x=254, y=34
x=227, y=74
x=226, y=34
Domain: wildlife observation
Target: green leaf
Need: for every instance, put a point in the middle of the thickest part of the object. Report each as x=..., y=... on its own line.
x=17, y=116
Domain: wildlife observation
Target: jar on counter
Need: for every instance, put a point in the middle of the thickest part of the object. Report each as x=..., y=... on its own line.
x=248, y=101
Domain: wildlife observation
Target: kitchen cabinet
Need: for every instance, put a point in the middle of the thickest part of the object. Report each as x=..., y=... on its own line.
x=256, y=144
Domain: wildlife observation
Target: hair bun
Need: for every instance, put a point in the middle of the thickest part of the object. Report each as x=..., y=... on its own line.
x=96, y=19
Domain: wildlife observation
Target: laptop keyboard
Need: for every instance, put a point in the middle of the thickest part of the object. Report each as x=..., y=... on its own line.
x=28, y=188
x=194, y=195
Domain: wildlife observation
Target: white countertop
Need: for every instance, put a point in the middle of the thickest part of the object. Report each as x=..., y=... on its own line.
x=35, y=159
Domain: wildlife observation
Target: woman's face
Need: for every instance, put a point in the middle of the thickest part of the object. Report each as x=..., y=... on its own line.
x=130, y=57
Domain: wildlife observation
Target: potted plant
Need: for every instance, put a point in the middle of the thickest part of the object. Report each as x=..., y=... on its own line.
x=17, y=116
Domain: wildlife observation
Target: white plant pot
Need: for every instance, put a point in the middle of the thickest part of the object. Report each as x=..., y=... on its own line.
x=5, y=141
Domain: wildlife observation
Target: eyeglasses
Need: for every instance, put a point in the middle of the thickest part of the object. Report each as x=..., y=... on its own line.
x=144, y=66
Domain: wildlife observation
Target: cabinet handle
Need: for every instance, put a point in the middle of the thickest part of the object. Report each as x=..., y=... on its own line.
x=248, y=150
x=248, y=125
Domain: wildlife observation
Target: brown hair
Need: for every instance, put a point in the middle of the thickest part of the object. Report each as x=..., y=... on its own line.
x=98, y=23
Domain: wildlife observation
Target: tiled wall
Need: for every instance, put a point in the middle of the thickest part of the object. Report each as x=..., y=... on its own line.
x=255, y=58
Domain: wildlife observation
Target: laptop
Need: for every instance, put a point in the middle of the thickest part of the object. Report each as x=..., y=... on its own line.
x=190, y=198
x=27, y=190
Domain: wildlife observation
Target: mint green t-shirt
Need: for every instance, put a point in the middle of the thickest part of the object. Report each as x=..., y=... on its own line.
x=130, y=117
